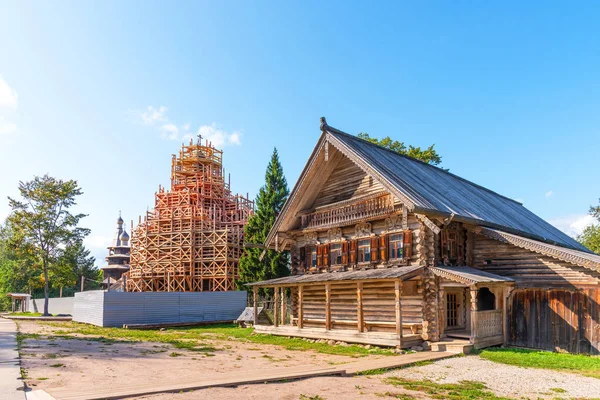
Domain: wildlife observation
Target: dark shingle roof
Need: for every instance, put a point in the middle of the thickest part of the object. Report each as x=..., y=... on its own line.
x=432, y=189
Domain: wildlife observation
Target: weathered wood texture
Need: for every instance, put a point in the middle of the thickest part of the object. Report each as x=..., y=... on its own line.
x=527, y=268
x=345, y=182
x=378, y=300
x=558, y=319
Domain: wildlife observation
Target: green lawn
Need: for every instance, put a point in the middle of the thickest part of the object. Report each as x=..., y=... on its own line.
x=453, y=391
x=581, y=364
x=197, y=338
x=25, y=314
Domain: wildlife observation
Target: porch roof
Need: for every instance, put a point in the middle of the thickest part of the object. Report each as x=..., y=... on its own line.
x=387, y=273
x=468, y=275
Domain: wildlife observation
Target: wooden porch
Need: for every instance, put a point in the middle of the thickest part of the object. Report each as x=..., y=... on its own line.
x=380, y=307
x=481, y=314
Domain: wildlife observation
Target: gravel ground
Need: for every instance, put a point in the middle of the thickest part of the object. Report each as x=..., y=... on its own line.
x=505, y=380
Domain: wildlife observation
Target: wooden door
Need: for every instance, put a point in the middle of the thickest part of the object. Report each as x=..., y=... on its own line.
x=452, y=310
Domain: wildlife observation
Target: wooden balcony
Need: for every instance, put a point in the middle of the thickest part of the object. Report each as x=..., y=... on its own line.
x=348, y=211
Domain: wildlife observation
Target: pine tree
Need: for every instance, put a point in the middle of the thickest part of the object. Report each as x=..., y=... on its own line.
x=269, y=202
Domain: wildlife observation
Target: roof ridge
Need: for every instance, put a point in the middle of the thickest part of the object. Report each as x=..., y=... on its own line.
x=333, y=130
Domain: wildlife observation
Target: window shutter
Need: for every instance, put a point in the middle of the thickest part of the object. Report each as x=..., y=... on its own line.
x=353, y=249
x=344, y=253
x=326, y=255
x=374, y=249
x=303, y=256
x=383, y=247
x=319, y=256
x=408, y=244
x=307, y=257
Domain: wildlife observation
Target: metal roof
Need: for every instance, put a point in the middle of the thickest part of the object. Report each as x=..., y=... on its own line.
x=387, y=273
x=468, y=275
x=433, y=189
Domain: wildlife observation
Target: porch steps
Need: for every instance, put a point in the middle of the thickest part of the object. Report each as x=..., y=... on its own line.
x=449, y=345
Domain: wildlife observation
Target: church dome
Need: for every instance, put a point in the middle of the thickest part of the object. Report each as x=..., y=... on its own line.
x=124, y=236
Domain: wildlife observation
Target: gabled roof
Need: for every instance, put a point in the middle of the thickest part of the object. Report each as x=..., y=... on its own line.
x=468, y=275
x=428, y=189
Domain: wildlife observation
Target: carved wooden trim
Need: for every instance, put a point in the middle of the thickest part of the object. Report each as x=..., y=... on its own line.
x=428, y=223
x=311, y=238
x=363, y=229
x=335, y=235
x=393, y=223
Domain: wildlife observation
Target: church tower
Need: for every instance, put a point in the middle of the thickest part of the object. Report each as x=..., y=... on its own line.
x=118, y=255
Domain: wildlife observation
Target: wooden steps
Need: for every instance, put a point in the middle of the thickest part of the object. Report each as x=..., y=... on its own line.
x=455, y=346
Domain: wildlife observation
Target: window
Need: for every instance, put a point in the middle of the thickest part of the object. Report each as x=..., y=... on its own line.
x=336, y=254
x=313, y=256
x=364, y=250
x=396, y=246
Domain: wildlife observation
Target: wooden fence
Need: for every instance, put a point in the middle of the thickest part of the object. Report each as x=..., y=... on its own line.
x=567, y=320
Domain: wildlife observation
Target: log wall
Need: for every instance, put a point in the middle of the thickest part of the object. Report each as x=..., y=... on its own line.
x=527, y=268
x=567, y=320
x=378, y=306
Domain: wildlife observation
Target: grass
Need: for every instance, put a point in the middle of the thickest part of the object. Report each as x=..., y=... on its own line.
x=380, y=371
x=577, y=363
x=25, y=314
x=464, y=390
x=193, y=338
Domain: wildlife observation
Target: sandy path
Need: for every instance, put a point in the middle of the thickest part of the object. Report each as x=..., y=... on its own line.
x=57, y=362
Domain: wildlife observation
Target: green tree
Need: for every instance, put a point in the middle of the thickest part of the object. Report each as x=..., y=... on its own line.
x=590, y=237
x=428, y=155
x=20, y=271
x=75, y=262
x=43, y=219
x=269, y=202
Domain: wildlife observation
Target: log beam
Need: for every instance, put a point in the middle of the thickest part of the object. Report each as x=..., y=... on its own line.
x=300, y=309
x=255, y=304
x=276, y=307
x=398, y=292
x=327, y=306
x=359, y=307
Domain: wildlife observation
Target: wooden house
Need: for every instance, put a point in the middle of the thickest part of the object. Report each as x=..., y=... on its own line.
x=388, y=250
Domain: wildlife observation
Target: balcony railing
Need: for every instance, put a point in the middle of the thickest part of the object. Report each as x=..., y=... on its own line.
x=348, y=212
x=488, y=323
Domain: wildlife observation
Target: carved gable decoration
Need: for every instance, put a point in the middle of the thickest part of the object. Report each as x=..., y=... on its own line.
x=335, y=235
x=311, y=238
x=394, y=224
x=363, y=229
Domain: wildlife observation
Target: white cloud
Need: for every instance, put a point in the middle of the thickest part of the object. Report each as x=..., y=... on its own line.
x=219, y=137
x=573, y=225
x=157, y=117
x=170, y=131
x=549, y=193
x=154, y=115
x=9, y=101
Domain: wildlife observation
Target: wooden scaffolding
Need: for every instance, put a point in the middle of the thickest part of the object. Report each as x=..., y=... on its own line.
x=193, y=238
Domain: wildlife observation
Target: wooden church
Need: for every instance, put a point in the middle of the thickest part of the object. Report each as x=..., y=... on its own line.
x=388, y=250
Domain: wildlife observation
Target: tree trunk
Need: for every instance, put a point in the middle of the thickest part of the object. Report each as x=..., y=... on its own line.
x=61, y=292
x=46, y=313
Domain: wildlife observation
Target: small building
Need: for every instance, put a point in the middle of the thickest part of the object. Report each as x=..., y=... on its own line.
x=118, y=256
x=20, y=302
x=388, y=250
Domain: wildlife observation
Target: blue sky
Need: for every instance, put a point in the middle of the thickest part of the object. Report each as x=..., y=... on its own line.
x=104, y=92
